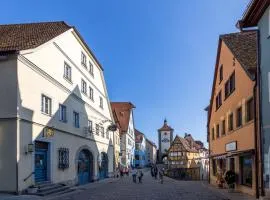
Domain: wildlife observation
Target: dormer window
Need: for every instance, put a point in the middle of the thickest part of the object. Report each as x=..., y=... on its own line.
x=83, y=60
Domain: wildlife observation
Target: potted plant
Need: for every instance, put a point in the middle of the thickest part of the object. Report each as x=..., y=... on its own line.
x=230, y=178
x=220, y=180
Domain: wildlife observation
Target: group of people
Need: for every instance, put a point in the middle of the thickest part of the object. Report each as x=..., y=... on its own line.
x=137, y=173
x=155, y=171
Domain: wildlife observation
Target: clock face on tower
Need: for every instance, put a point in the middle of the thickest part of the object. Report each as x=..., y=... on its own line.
x=164, y=138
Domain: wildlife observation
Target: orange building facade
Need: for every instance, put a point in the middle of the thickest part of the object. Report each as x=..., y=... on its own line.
x=231, y=119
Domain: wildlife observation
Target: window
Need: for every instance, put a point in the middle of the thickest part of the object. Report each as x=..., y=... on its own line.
x=83, y=89
x=223, y=127
x=239, y=116
x=97, y=129
x=213, y=133
x=250, y=110
x=91, y=93
x=107, y=134
x=46, y=105
x=63, y=158
x=218, y=100
x=101, y=102
x=230, y=85
x=62, y=113
x=231, y=122
x=83, y=60
x=102, y=131
x=91, y=68
x=246, y=168
x=76, y=120
x=221, y=73
x=217, y=131
x=90, y=126
x=67, y=72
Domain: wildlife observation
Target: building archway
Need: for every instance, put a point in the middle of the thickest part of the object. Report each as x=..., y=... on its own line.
x=85, y=163
x=104, y=165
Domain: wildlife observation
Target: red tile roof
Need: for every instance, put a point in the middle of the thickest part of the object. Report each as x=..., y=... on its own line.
x=138, y=136
x=16, y=37
x=165, y=127
x=122, y=111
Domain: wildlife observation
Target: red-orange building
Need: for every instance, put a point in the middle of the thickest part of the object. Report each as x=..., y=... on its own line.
x=231, y=121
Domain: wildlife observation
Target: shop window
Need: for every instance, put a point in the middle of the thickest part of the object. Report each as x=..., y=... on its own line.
x=246, y=170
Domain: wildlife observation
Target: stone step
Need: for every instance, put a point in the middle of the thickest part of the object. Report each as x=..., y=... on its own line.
x=49, y=187
x=62, y=192
x=53, y=190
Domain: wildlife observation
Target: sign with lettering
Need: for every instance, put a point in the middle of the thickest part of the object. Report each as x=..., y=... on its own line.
x=232, y=146
x=48, y=132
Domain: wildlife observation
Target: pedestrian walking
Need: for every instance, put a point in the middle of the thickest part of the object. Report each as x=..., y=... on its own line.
x=140, y=175
x=155, y=171
x=152, y=171
x=134, y=174
x=161, y=174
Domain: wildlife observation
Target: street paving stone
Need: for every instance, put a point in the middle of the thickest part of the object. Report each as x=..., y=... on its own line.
x=150, y=189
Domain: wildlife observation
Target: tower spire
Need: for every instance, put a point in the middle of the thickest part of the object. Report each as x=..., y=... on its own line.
x=165, y=121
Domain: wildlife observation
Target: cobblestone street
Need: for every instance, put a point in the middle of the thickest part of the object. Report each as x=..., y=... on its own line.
x=150, y=189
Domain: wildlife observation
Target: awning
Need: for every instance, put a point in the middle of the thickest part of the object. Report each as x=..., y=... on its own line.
x=219, y=156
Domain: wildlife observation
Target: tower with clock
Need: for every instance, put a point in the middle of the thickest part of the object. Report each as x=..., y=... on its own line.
x=165, y=138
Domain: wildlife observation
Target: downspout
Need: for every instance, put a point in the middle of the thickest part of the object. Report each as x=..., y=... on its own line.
x=261, y=164
x=255, y=137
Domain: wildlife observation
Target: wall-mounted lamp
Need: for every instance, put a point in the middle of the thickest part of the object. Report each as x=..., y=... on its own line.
x=29, y=148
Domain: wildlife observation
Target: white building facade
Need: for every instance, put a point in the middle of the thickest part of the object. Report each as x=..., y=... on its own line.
x=55, y=111
x=151, y=152
x=123, y=116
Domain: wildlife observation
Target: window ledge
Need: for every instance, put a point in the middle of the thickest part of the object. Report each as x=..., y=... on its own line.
x=49, y=115
x=68, y=80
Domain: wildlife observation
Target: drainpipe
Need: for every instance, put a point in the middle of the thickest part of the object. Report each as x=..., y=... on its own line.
x=261, y=164
x=255, y=137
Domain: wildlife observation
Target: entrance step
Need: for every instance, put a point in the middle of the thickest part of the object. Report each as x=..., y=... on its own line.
x=46, y=189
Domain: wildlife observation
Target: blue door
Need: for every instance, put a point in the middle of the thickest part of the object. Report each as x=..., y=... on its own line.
x=85, y=167
x=41, y=165
x=103, y=171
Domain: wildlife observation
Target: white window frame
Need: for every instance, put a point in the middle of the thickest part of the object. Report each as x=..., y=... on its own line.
x=84, y=87
x=67, y=72
x=46, y=105
x=90, y=126
x=76, y=120
x=91, y=68
x=83, y=60
x=101, y=102
x=62, y=117
x=91, y=93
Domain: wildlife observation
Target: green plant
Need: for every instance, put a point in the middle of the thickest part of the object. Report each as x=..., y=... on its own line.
x=230, y=177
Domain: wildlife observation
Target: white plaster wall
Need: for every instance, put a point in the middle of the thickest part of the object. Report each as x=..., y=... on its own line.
x=8, y=124
x=41, y=72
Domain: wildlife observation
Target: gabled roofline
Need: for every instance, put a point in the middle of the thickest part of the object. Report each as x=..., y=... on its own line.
x=253, y=13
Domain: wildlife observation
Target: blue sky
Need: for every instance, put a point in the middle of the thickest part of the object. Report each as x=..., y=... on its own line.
x=158, y=54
